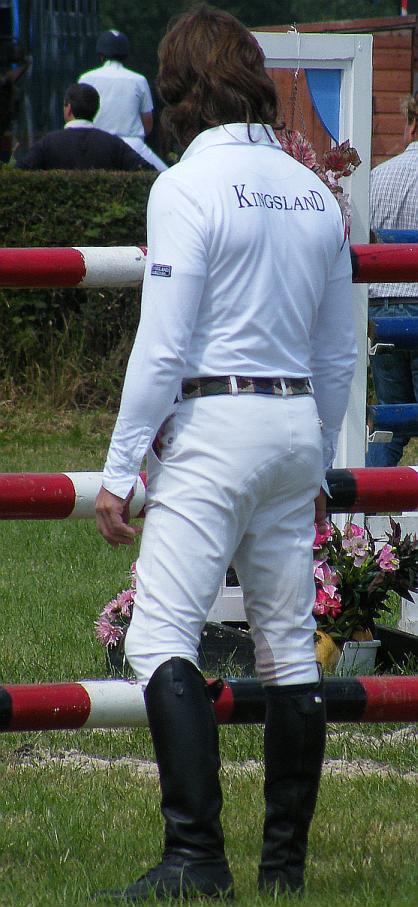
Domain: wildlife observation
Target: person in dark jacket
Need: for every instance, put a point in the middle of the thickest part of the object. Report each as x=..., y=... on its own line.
x=80, y=145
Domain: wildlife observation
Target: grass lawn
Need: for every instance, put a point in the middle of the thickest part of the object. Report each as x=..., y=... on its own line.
x=79, y=810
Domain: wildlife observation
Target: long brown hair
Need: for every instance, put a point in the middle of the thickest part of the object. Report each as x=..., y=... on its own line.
x=211, y=71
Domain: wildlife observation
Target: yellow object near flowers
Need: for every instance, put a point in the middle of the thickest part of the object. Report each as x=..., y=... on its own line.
x=326, y=650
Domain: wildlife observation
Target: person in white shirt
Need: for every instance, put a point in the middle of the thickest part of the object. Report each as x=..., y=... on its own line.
x=126, y=107
x=245, y=349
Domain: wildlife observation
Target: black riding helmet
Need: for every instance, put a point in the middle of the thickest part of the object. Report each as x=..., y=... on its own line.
x=112, y=44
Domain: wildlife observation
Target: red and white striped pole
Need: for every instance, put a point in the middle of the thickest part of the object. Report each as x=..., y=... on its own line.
x=46, y=496
x=123, y=266
x=114, y=266
x=384, y=263
x=120, y=703
x=373, y=490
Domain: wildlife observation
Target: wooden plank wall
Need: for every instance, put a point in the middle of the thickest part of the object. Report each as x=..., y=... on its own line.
x=395, y=62
x=392, y=68
x=296, y=109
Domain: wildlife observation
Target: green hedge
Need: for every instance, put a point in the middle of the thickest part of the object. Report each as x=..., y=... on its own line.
x=71, y=345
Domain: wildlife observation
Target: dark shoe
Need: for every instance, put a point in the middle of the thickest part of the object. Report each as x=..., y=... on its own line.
x=294, y=743
x=175, y=878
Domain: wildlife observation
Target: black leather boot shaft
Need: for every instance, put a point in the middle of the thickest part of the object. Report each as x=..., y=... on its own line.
x=294, y=744
x=185, y=737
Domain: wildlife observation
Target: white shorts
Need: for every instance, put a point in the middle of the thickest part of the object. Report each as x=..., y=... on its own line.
x=234, y=482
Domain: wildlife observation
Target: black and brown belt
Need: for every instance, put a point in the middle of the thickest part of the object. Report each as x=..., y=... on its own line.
x=235, y=384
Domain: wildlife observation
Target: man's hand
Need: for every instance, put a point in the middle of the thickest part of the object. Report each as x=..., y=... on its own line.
x=112, y=518
x=321, y=511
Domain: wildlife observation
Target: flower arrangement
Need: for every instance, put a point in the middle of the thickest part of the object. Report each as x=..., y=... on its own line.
x=353, y=577
x=115, y=617
x=340, y=161
x=352, y=574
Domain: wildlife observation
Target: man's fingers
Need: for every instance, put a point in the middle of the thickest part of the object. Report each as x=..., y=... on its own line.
x=112, y=518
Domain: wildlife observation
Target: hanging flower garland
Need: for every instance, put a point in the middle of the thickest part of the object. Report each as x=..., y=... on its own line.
x=340, y=161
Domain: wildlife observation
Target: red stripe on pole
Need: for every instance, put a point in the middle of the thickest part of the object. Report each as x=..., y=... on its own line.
x=394, y=263
x=381, y=489
x=391, y=698
x=35, y=496
x=48, y=706
x=65, y=267
x=41, y=267
x=224, y=705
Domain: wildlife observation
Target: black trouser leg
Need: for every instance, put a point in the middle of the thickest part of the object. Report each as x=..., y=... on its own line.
x=294, y=745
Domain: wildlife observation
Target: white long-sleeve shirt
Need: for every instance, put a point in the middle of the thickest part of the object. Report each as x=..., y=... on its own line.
x=124, y=96
x=248, y=273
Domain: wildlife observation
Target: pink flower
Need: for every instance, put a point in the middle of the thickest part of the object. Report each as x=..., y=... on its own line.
x=295, y=144
x=326, y=576
x=355, y=543
x=108, y=634
x=342, y=159
x=124, y=596
x=351, y=530
x=322, y=537
x=112, y=609
x=327, y=603
x=387, y=560
x=357, y=548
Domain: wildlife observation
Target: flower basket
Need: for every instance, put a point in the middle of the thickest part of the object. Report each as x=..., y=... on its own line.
x=356, y=656
x=353, y=574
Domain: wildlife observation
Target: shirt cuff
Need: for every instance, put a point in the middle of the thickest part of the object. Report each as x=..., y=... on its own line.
x=119, y=486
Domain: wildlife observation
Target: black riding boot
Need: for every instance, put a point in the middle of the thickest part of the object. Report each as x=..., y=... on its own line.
x=185, y=737
x=294, y=743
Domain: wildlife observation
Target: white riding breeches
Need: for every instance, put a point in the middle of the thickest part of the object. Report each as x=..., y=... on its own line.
x=234, y=481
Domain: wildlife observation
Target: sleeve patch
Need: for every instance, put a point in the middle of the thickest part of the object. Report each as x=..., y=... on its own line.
x=160, y=270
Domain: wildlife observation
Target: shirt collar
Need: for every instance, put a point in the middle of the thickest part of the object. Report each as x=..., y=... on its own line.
x=79, y=124
x=232, y=134
x=116, y=63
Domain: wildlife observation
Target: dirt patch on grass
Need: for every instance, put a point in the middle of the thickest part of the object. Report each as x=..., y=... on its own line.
x=32, y=757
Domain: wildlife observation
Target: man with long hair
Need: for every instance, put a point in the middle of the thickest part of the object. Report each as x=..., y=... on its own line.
x=244, y=351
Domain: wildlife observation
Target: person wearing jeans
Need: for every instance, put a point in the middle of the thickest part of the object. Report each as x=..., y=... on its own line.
x=395, y=378
x=394, y=205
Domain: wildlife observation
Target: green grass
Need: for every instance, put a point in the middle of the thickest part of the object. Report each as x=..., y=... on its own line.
x=79, y=831
x=70, y=824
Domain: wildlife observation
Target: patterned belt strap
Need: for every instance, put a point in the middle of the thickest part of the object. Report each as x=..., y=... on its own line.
x=275, y=387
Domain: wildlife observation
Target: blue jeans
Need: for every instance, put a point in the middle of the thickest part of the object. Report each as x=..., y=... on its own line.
x=395, y=377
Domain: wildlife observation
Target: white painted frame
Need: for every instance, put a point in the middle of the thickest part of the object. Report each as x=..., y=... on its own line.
x=353, y=55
